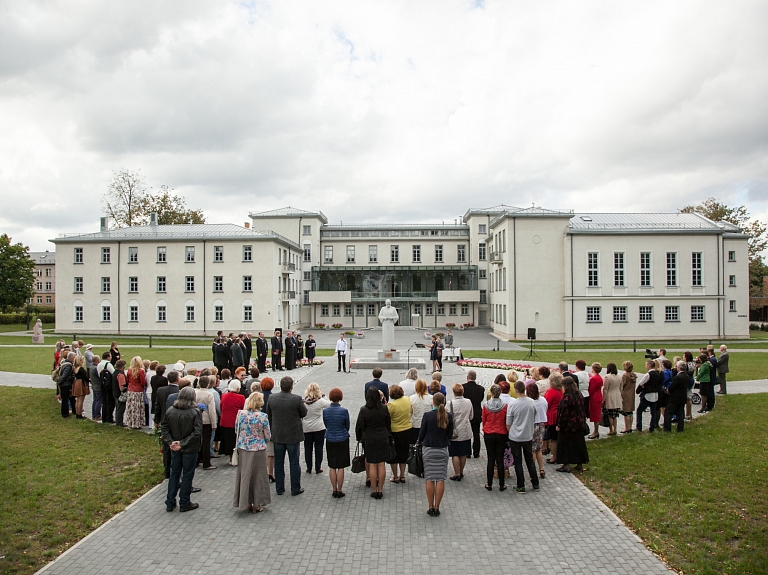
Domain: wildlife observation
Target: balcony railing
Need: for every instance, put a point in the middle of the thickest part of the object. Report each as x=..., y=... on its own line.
x=289, y=267
x=496, y=257
x=288, y=295
x=396, y=296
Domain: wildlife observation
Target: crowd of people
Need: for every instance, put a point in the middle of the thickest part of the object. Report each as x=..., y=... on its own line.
x=234, y=413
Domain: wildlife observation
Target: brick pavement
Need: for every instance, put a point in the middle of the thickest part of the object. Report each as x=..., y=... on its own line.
x=478, y=531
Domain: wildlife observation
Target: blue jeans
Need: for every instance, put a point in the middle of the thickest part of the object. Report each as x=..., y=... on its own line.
x=182, y=472
x=293, y=464
x=96, y=405
x=654, y=405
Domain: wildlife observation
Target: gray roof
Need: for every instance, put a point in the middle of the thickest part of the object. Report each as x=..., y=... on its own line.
x=503, y=210
x=43, y=257
x=288, y=212
x=451, y=225
x=180, y=232
x=647, y=223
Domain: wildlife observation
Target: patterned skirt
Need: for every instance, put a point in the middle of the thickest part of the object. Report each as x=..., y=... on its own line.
x=435, y=463
x=538, y=436
x=134, y=410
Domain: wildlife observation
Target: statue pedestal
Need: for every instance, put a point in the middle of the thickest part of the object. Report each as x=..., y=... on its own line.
x=389, y=360
x=389, y=356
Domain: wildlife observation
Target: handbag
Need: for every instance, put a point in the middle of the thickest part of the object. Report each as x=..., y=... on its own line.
x=235, y=457
x=415, y=461
x=604, y=421
x=392, y=449
x=455, y=433
x=358, y=461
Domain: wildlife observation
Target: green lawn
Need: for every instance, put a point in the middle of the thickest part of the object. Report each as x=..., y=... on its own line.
x=62, y=478
x=742, y=366
x=698, y=499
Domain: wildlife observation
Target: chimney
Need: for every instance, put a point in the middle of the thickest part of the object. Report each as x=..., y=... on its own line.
x=247, y=224
x=153, y=219
x=104, y=220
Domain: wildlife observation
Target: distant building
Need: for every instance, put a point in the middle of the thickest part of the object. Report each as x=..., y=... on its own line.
x=45, y=278
x=758, y=308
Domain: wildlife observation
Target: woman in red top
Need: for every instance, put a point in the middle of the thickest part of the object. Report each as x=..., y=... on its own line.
x=137, y=383
x=495, y=436
x=554, y=396
x=596, y=399
x=231, y=402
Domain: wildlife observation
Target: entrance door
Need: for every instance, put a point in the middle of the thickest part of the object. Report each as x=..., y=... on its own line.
x=482, y=319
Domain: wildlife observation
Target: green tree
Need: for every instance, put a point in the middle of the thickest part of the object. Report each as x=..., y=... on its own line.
x=170, y=208
x=17, y=274
x=739, y=216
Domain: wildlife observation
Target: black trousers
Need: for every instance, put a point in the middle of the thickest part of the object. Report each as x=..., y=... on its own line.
x=314, y=441
x=167, y=460
x=108, y=407
x=476, y=437
x=205, y=448
x=522, y=450
x=261, y=363
x=67, y=401
x=119, y=412
x=342, y=361
x=495, y=444
x=674, y=410
x=711, y=397
x=277, y=362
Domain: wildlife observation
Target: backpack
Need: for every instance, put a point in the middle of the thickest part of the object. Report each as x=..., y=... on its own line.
x=56, y=374
x=106, y=379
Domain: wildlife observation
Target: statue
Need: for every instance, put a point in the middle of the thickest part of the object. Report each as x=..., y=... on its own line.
x=37, y=332
x=388, y=316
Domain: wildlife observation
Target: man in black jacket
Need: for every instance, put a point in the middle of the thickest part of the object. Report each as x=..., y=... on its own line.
x=246, y=339
x=277, y=352
x=262, y=352
x=182, y=431
x=161, y=407
x=285, y=411
x=290, y=351
x=475, y=393
x=221, y=356
x=66, y=380
x=649, y=388
x=678, y=395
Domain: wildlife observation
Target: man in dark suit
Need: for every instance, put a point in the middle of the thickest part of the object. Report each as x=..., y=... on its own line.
x=290, y=351
x=221, y=356
x=246, y=339
x=230, y=342
x=213, y=345
x=285, y=411
x=475, y=393
x=378, y=384
x=262, y=352
x=238, y=358
x=678, y=395
x=722, y=369
x=277, y=351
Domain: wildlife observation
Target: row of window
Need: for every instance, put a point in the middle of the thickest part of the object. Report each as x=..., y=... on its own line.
x=619, y=268
x=645, y=313
x=161, y=284
x=39, y=272
x=161, y=313
x=499, y=314
x=189, y=254
x=390, y=233
x=39, y=299
x=429, y=309
x=394, y=254
x=48, y=286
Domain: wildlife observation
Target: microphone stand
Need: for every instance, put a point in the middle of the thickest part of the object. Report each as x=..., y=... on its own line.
x=409, y=355
x=349, y=356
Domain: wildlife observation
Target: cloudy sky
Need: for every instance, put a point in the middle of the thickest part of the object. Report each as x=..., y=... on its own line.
x=380, y=111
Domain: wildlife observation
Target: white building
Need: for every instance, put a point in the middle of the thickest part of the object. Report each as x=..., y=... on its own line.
x=570, y=276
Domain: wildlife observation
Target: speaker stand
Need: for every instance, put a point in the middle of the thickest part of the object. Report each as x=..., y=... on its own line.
x=532, y=354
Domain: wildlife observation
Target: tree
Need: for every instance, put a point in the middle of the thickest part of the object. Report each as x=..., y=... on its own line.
x=755, y=229
x=129, y=202
x=17, y=274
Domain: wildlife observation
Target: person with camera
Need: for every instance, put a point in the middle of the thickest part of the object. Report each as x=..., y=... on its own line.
x=648, y=388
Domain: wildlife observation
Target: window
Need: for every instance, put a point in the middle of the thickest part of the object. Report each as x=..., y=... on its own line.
x=247, y=313
x=161, y=256
x=696, y=268
x=47, y=272
x=672, y=313
x=417, y=308
x=133, y=255
x=371, y=309
x=106, y=313
x=731, y=281
x=350, y=254
x=481, y=253
x=671, y=269
x=697, y=313
x=428, y=308
x=347, y=309
x=373, y=254
x=247, y=253
x=78, y=313
x=618, y=269
x=133, y=284
x=441, y=309
x=482, y=229
x=504, y=279
x=218, y=253
x=329, y=254
x=481, y=274
x=78, y=256
x=336, y=310
x=394, y=254
x=465, y=309
x=619, y=314
x=645, y=269
x=39, y=286
x=461, y=253
x=731, y=257
x=438, y=253
x=105, y=255
x=416, y=253
x=646, y=313
x=593, y=278
x=307, y=276
x=190, y=313
x=247, y=283
x=324, y=310
x=359, y=309
x=161, y=313
x=133, y=313
x=161, y=284
x=189, y=257
x=218, y=283
x=593, y=314
x=483, y=296
x=306, y=230
x=190, y=284
x=47, y=299
x=306, y=297
x=106, y=284
x=732, y=305
x=307, y=252
x=452, y=309
x=48, y=286
x=39, y=299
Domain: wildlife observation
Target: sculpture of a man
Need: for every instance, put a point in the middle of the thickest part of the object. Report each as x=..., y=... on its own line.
x=388, y=316
x=37, y=332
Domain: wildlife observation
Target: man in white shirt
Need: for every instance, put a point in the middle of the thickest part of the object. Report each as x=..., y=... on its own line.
x=341, y=352
x=521, y=414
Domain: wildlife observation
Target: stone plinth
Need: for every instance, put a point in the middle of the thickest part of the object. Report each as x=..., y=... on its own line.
x=389, y=356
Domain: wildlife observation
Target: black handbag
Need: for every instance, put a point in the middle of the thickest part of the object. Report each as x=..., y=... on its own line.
x=604, y=421
x=415, y=461
x=358, y=461
x=392, y=450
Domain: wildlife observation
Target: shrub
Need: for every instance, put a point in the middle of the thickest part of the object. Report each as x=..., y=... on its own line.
x=450, y=325
x=21, y=318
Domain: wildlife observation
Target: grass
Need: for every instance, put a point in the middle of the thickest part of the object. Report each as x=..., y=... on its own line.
x=23, y=327
x=698, y=499
x=62, y=478
x=742, y=366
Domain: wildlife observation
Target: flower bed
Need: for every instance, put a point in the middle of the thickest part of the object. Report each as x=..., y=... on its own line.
x=299, y=363
x=319, y=325
x=337, y=325
x=450, y=325
x=493, y=364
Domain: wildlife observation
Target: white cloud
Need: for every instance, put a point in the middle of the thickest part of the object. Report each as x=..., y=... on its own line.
x=427, y=108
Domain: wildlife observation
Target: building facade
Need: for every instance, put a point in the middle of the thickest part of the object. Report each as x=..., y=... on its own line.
x=45, y=278
x=570, y=276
